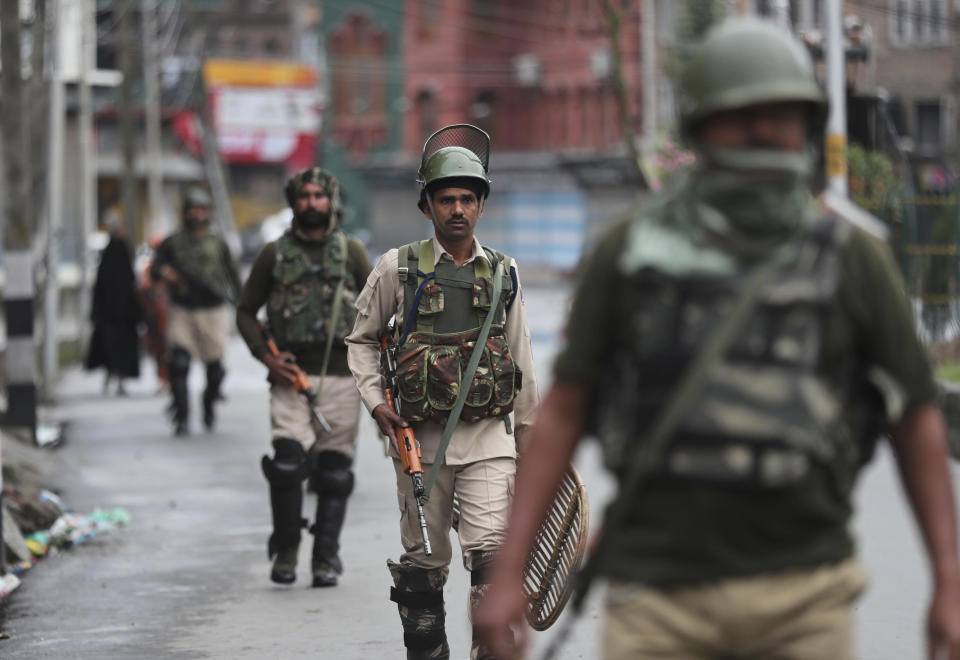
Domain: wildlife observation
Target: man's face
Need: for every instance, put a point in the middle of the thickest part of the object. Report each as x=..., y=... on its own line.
x=312, y=206
x=457, y=211
x=197, y=220
x=763, y=126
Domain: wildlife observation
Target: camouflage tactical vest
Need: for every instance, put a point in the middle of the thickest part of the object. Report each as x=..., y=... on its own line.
x=444, y=311
x=200, y=260
x=770, y=411
x=301, y=303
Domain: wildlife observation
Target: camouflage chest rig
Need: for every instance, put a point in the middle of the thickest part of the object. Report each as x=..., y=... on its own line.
x=770, y=411
x=444, y=311
x=310, y=302
x=201, y=258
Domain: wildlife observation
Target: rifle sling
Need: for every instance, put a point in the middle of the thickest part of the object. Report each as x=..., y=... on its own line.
x=335, y=315
x=465, y=383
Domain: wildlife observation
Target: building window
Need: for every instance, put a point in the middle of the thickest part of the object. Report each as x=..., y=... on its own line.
x=358, y=51
x=429, y=15
x=426, y=114
x=795, y=12
x=482, y=111
x=918, y=22
x=900, y=23
x=928, y=126
x=938, y=22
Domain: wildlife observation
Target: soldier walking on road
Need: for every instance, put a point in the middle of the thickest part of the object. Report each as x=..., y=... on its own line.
x=737, y=349
x=441, y=291
x=308, y=279
x=201, y=276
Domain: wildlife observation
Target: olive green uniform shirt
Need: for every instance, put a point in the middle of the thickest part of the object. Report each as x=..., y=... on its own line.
x=257, y=289
x=195, y=291
x=681, y=533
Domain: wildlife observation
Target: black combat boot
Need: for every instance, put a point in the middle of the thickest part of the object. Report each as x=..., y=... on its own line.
x=212, y=394
x=334, y=483
x=419, y=597
x=179, y=409
x=285, y=474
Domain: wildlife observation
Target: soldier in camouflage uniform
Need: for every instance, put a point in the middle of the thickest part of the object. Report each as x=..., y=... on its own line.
x=441, y=290
x=308, y=279
x=201, y=276
x=735, y=542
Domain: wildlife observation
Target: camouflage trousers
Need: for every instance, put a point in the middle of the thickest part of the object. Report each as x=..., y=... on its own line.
x=418, y=593
x=478, y=589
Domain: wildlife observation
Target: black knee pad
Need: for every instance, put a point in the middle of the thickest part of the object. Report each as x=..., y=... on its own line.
x=478, y=576
x=179, y=364
x=288, y=467
x=419, y=592
x=332, y=475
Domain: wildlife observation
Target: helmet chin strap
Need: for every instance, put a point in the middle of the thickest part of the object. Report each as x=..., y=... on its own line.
x=433, y=214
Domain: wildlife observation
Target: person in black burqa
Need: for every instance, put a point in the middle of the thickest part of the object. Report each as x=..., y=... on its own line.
x=116, y=313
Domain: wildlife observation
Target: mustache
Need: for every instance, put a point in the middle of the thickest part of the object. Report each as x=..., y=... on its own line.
x=313, y=218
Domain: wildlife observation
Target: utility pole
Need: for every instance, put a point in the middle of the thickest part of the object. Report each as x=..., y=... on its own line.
x=151, y=86
x=128, y=177
x=836, y=144
x=87, y=150
x=20, y=363
x=648, y=47
x=54, y=158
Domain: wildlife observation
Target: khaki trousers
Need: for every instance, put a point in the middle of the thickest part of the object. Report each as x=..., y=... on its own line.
x=200, y=332
x=339, y=402
x=802, y=614
x=484, y=490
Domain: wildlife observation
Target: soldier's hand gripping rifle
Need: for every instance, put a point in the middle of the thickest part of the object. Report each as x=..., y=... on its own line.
x=300, y=382
x=407, y=444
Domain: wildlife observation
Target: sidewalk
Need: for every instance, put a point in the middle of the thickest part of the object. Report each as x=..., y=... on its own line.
x=188, y=577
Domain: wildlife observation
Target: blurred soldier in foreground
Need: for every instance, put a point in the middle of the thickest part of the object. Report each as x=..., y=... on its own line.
x=737, y=351
x=200, y=274
x=308, y=279
x=444, y=292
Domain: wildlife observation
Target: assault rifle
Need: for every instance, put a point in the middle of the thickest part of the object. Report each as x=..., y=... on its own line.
x=407, y=443
x=301, y=383
x=200, y=283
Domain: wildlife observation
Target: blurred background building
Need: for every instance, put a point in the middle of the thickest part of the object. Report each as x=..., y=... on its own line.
x=576, y=95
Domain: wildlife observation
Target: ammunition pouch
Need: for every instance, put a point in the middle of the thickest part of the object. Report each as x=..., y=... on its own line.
x=430, y=369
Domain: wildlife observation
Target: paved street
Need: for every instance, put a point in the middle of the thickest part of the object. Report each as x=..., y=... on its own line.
x=188, y=577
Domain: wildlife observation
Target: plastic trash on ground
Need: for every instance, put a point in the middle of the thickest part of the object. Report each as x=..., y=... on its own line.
x=8, y=583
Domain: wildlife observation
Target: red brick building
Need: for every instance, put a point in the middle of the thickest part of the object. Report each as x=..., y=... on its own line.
x=535, y=75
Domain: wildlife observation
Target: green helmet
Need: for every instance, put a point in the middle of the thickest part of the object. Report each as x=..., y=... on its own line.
x=459, y=151
x=196, y=197
x=743, y=62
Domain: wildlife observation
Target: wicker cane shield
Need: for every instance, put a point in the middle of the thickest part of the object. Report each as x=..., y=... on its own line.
x=557, y=552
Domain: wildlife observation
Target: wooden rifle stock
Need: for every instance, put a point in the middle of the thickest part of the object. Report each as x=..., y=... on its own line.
x=407, y=444
x=300, y=383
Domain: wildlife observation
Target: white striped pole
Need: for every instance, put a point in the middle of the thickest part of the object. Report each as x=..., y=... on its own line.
x=19, y=359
